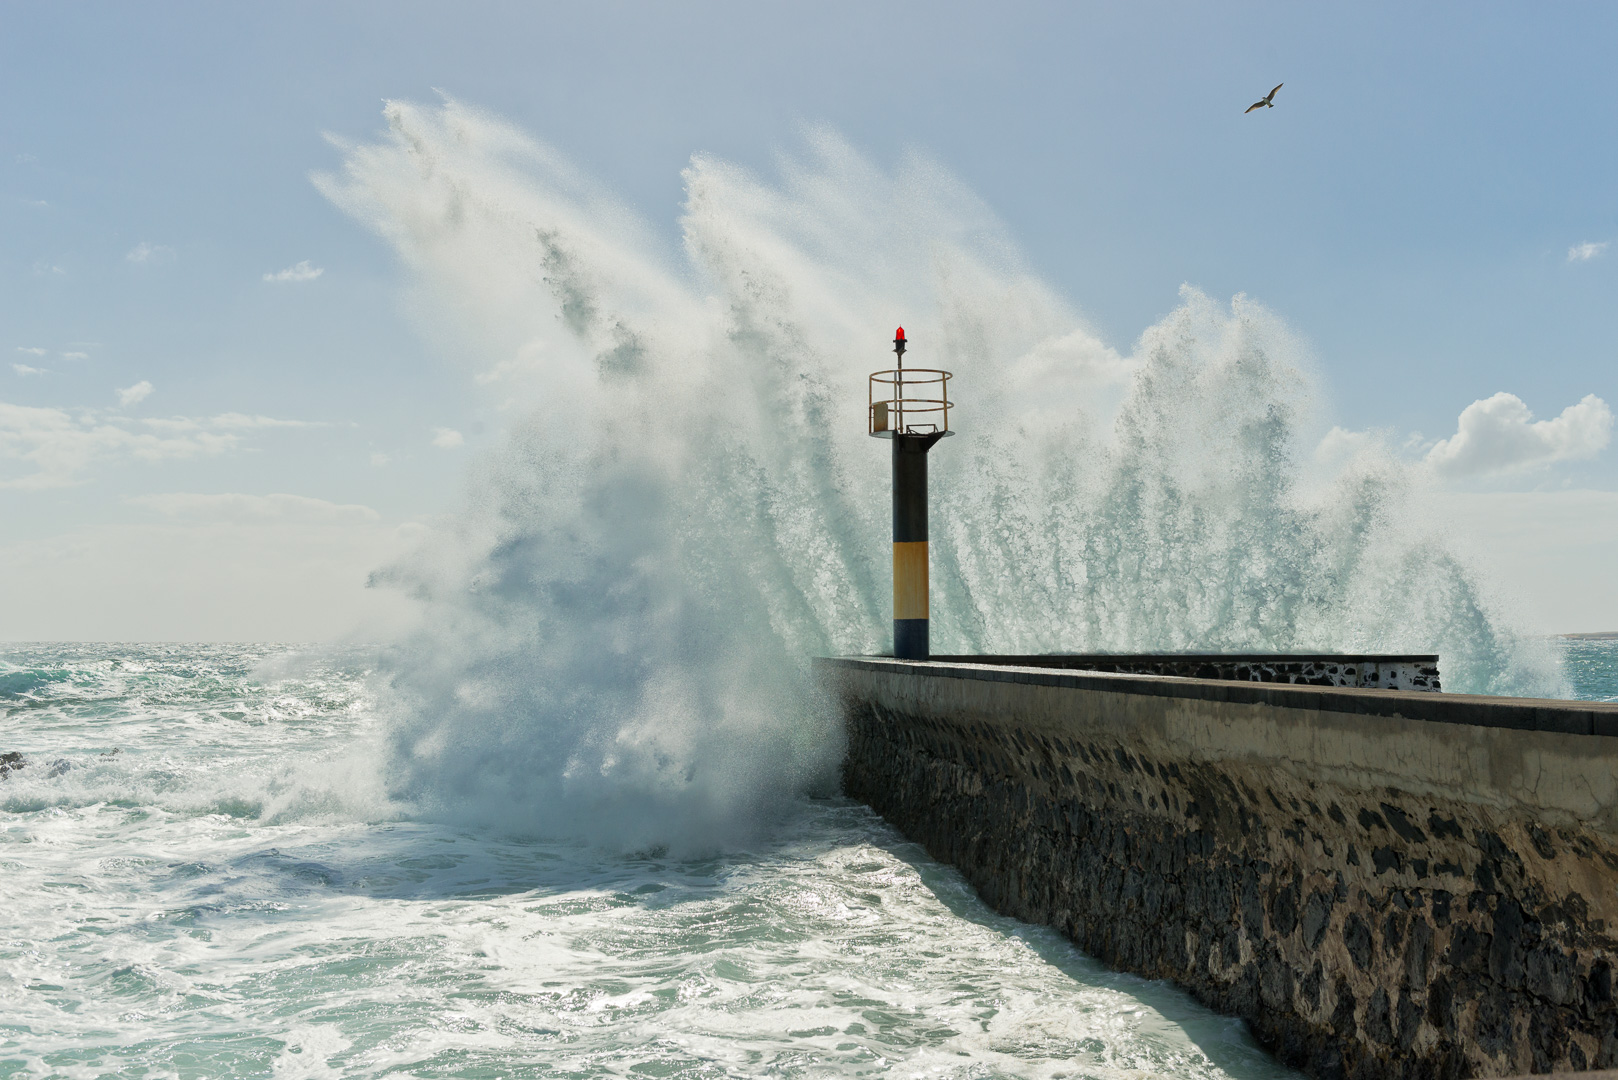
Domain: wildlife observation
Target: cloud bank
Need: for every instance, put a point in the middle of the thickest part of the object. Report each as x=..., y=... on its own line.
x=61, y=446
x=223, y=567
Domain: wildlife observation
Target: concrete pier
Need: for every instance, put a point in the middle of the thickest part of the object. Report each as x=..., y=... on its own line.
x=1382, y=883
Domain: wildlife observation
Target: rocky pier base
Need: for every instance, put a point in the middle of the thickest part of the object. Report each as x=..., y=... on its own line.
x=1381, y=884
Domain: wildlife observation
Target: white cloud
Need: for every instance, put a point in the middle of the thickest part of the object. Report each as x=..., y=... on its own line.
x=1340, y=445
x=32, y=350
x=301, y=271
x=134, y=395
x=1499, y=435
x=1586, y=251
x=24, y=369
x=46, y=268
x=236, y=421
x=153, y=254
x=61, y=445
x=75, y=356
x=447, y=438
x=231, y=421
x=234, y=507
x=380, y=459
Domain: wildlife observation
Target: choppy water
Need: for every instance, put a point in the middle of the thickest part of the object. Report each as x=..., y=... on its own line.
x=179, y=909
x=1591, y=667
x=191, y=906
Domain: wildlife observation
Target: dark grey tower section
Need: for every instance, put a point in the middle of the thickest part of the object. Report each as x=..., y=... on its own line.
x=910, y=576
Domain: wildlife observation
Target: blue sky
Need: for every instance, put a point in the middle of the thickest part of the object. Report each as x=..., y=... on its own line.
x=1428, y=205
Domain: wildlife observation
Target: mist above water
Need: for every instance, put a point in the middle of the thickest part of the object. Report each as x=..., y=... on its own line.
x=685, y=507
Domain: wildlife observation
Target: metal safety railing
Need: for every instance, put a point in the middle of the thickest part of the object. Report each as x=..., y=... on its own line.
x=908, y=401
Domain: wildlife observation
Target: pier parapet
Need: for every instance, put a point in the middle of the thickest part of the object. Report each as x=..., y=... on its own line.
x=1400, y=671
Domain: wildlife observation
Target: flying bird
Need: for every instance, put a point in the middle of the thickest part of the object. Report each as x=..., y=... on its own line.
x=1267, y=103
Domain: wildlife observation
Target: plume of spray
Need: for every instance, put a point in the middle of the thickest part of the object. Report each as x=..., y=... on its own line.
x=686, y=507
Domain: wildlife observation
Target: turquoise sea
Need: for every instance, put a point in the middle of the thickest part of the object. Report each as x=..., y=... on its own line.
x=192, y=887
x=1591, y=666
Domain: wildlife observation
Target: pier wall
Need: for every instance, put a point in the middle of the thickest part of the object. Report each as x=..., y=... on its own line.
x=1383, y=672
x=1382, y=883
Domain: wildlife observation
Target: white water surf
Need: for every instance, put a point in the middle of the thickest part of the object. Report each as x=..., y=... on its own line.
x=169, y=913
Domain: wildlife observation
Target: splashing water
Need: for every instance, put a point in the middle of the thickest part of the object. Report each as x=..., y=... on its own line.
x=687, y=507
x=164, y=921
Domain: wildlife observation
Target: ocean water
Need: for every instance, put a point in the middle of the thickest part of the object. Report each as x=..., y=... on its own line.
x=180, y=901
x=1591, y=665
x=192, y=889
x=584, y=820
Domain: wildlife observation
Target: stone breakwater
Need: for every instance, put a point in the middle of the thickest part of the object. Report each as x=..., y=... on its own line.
x=1383, y=884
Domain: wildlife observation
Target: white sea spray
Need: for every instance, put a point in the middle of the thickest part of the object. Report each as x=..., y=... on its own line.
x=686, y=508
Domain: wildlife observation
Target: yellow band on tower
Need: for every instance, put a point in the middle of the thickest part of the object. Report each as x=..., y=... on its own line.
x=910, y=580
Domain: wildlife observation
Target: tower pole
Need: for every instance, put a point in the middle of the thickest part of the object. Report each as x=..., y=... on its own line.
x=910, y=637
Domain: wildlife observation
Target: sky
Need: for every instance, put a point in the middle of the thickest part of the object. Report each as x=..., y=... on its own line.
x=219, y=411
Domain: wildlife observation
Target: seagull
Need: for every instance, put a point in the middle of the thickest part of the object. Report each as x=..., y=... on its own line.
x=1267, y=103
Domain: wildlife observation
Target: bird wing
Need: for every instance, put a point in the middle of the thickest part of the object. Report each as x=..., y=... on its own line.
x=1271, y=94
x=1255, y=105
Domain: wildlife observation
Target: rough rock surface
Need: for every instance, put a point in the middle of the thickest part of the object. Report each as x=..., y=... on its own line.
x=1381, y=672
x=1381, y=933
